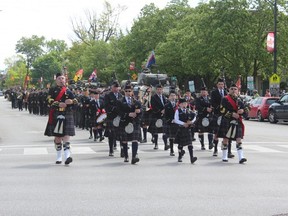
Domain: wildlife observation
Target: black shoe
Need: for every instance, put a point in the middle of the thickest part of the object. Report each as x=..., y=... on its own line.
x=68, y=160
x=126, y=159
x=95, y=139
x=58, y=162
x=102, y=138
x=90, y=137
x=135, y=160
x=193, y=159
x=180, y=159
x=215, y=153
x=172, y=154
x=230, y=155
x=143, y=141
x=156, y=147
x=243, y=160
x=211, y=145
x=203, y=148
x=224, y=160
x=166, y=147
x=111, y=154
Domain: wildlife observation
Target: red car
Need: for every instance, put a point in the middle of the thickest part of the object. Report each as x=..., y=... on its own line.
x=259, y=107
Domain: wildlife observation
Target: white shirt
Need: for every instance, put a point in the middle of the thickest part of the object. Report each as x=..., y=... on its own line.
x=176, y=118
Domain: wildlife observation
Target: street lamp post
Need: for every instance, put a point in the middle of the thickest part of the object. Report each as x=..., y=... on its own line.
x=275, y=36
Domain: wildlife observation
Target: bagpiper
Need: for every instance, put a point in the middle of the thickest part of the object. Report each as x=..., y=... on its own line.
x=158, y=102
x=184, y=118
x=129, y=128
x=232, y=126
x=61, y=122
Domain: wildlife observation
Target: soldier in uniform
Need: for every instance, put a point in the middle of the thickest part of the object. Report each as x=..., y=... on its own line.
x=110, y=104
x=183, y=117
x=158, y=102
x=232, y=127
x=170, y=126
x=61, y=123
x=204, y=117
x=129, y=128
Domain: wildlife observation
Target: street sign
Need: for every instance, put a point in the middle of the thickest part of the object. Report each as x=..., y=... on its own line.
x=191, y=86
x=134, y=76
x=274, y=79
x=250, y=82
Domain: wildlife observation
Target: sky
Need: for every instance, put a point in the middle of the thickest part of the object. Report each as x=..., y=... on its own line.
x=52, y=18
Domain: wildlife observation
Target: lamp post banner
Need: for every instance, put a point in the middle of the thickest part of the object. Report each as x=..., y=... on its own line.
x=270, y=42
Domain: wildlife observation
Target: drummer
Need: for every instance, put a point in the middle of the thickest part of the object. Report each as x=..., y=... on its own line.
x=129, y=128
x=96, y=114
x=204, y=117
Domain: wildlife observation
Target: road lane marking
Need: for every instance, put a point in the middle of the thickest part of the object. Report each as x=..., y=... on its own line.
x=35, y=151
x=260, y=149
x=82, y=150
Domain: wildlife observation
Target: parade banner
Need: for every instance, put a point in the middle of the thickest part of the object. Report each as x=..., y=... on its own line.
x=270, y=42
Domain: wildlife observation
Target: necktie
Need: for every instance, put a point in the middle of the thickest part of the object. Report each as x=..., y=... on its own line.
x=221, y=93
x=98, y=103
x=116, y=95
x=129, y=101
x=161, y=98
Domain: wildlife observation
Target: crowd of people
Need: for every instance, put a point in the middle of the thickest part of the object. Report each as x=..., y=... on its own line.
x=120, y=116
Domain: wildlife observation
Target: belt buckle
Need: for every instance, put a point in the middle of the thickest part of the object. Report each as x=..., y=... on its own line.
x=61, y=109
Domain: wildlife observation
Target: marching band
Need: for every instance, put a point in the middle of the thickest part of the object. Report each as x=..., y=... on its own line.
x=122, y=117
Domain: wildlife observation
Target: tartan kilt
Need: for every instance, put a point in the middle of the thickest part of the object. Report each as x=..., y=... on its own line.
x=146, y=118
x=224, y=127
x=200, y=128
x=110, y=129
x=183, y=136
x=152, y=127
x=69, y=129
x=135, y=135
x=171, y=130
x=214, y=124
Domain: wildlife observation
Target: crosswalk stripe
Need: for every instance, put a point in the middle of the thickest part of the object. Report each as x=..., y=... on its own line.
x=35, y=151
x=82, y=150
x=260, y=149
x=283, y=146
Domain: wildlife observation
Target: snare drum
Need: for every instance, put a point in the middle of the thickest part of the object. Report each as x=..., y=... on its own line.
x=101, y=118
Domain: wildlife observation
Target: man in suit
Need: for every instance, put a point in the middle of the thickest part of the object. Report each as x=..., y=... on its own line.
x=216, y=96
x=158, y=102
x=110, y=104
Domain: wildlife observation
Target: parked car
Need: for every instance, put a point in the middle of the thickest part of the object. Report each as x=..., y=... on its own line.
x=278, y=111
x=258, y=107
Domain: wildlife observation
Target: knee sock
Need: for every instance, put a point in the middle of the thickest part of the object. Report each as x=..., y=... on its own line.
x=215, y=145
x=210, y=137
x=201, y=139
x=171, y=142
x=155, y=139
x=190, y=148
x=164, y=137
x=145, y=133
x=110, y=141
x=180, y=149
x=134, y=149
x=224, y=151
x=125, y=149
x=100, y=131
x=95, y=133
x=229, y=146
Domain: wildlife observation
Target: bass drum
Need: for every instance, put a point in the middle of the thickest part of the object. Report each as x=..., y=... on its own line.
x=116, y=121
x=205, y=122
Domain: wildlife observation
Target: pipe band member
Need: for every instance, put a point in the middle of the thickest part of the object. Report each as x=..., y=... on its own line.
x=232, y=127
x=130, y=111
x=61, y=122
x=184, y=118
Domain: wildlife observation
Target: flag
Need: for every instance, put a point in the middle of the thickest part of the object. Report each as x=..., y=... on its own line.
x=270, y=42
x=78, y=75
x=151, y=60
x=238, y=83
x=93, y=76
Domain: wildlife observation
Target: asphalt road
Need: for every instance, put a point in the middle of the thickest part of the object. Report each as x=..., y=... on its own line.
x=96, y=184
